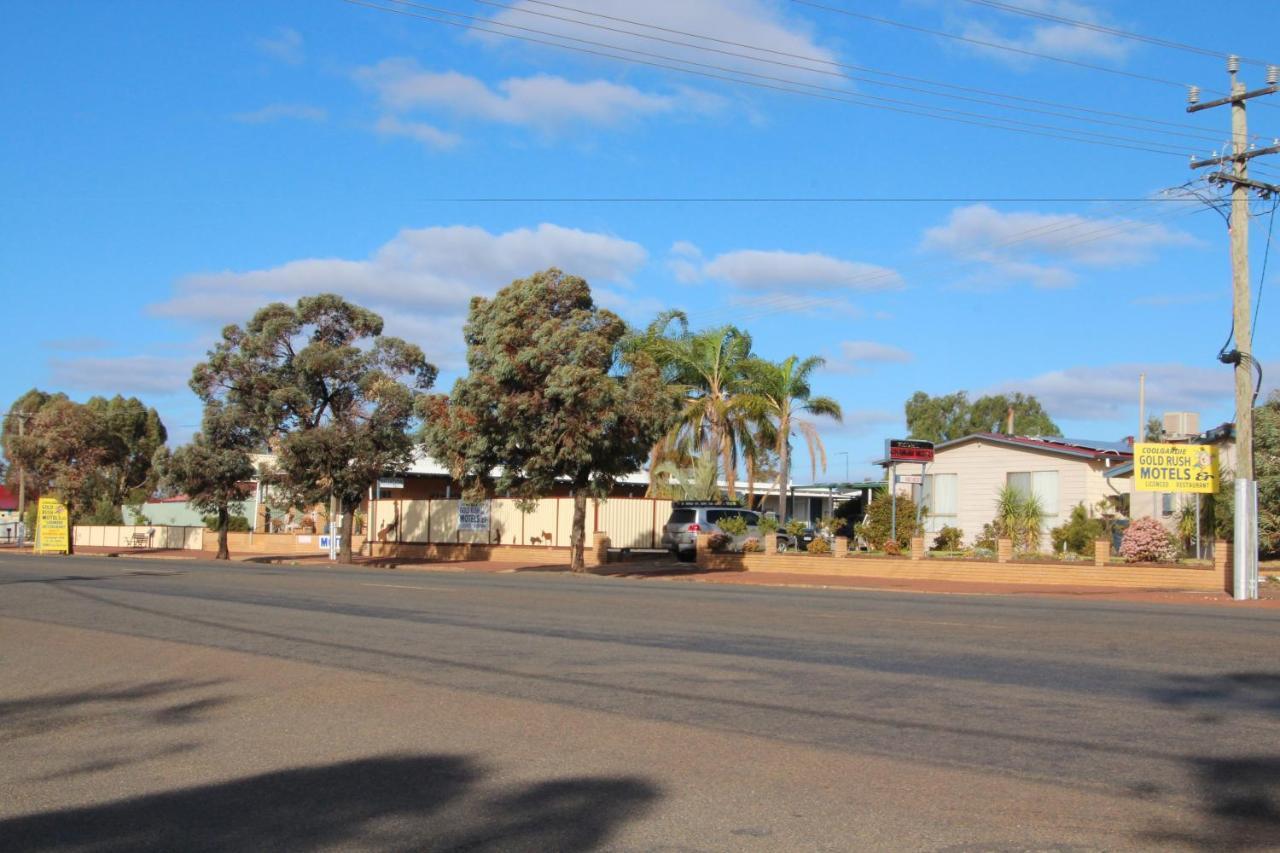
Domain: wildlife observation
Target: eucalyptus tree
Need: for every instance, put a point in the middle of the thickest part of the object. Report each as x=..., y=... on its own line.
x=331, y=394
x=212, y=469
x=551, y=397
x=780, y=393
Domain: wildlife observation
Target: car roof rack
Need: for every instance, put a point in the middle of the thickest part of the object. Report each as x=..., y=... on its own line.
x=714, y=504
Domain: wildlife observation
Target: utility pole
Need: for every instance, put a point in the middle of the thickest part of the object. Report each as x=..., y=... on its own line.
x=1245, y=568
x=21, y=417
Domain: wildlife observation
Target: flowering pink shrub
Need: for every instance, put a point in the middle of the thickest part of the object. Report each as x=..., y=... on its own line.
x=1147, y=540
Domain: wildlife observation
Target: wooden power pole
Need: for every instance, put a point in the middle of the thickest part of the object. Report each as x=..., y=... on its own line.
x=1237, y=175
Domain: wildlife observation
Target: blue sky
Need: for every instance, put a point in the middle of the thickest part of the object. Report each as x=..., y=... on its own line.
x=170, y=166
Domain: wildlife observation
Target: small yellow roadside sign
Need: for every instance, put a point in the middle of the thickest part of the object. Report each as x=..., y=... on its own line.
x=1175, y=468
x=52, y=529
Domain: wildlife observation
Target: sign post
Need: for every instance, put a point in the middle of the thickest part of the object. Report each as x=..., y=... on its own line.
x=906, y=450
x=53, y=531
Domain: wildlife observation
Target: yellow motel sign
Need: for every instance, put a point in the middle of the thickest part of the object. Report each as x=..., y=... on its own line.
x=1191, y=468
x=53, y=531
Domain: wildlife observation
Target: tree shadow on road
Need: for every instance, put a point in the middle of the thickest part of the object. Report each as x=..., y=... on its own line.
x=387, y=802
x=146, y=703
x=1239, y=793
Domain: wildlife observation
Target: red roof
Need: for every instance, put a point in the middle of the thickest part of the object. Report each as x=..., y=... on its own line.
x=1058, y=445
x=7, y=500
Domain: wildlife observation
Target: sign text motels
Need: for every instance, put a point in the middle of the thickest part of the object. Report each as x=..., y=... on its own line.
x=1175, y=468
x=908, y=450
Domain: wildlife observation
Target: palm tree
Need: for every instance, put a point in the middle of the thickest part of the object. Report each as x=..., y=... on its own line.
x=710, y=369
x=780, y=392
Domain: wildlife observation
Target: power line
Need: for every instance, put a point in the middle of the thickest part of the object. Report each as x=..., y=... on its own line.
x=1180, y=129
x=798, y=199
x=1266, y=256
x=844, y=96
x=1113, y=31
x=995, y=45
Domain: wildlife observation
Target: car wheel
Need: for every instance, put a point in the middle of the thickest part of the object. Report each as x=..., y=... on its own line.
x=783, y=545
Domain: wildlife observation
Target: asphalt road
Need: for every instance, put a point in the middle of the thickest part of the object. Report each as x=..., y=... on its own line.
x=187, y=706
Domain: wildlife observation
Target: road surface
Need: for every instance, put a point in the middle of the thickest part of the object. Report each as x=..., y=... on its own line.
x=182, y=705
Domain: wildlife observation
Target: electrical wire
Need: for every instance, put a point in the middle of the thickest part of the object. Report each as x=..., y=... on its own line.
x=843, y=96
x=1113, y=31
x=1181, y=129
x=903, y=25
x=1262, y=279
x=796, y=199
x=1010, y=48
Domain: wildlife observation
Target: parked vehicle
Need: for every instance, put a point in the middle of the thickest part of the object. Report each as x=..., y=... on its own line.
x=689, y=518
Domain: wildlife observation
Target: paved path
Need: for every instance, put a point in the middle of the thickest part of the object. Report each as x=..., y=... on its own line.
x=179, y=705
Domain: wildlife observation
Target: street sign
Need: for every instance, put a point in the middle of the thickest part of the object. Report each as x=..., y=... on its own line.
x=908, y=450
x=1190, y=468
x=391, y=482
x=911, y=479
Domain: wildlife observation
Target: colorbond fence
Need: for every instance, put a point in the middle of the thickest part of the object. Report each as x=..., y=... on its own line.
x=629, y=522
x=124, y=536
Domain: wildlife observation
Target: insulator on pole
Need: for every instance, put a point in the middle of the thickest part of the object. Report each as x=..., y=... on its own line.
x=1193, y=94
x=1233, y=63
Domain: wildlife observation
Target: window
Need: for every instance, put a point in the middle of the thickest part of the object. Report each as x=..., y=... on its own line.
x=1166, y=504
x=940, y=494
x=1042, y=484
x=682, y=516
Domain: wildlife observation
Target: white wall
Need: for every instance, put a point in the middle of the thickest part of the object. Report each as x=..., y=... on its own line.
x=982, y=469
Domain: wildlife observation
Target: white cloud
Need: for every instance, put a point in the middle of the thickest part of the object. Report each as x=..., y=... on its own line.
x=773, y=271
x=870, y=352
x=1110, y=392
x=135, y=374
x=431, y=137
x=421, y=280
x=277, y=112
x=1040, y=248
x=286, y=46
x=761, y=23
x=542, y=101
x=1047, y=37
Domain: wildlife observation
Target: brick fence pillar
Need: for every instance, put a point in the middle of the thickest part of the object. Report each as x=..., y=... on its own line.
x=917, y=547
x=841, y=548
x=702, y=549
x=1224, y=565
x=1004, y=550
x=600, y=548
x=769, y=542
x=1102, y=552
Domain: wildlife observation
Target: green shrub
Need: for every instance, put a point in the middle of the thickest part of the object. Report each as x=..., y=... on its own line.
x=796, y=527
x=986, y=540
x=1079, y=533
x=878, y=524
x=819, y=546
x=1019, y=518
x=948, y=539
x=235, y=524
x=734, y=525
x=768, y=525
